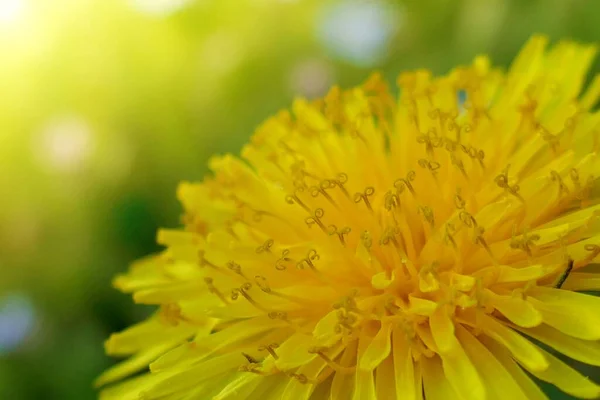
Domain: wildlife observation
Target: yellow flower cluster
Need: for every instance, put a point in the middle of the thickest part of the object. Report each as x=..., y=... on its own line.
x=372, y=246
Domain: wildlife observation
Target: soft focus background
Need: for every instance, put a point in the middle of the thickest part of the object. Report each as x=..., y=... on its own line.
x=106, y=104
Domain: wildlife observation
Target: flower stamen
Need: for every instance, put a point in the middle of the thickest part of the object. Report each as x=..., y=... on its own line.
x=237, y=268
x=243, y=291
x=333, y=230
x=502, y=181
x=563, y=190
x=525, y=242
x=212, y=289
x=280, y=264
x=340, y=181
x=315, y=191
x=265, y=247
x=308, y=260
x=203, y=261
x=315, y=218
x=594, y=250
x=405, y=183
x=364, y=196
x=294, y=199
x=270, y=349
x=320, y=351
x=432, y=166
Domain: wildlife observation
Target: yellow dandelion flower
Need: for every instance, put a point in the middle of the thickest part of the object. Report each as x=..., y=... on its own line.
x=373, y=247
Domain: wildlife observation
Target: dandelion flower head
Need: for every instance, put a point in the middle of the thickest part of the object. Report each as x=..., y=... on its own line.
x=373, y=246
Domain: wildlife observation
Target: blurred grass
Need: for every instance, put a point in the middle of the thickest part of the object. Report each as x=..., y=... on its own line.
x=145, y=100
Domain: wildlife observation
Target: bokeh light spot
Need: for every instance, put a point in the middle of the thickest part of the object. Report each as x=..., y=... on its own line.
x=11, y=10
x=17, y=321
x=221, y=52
x=65, y=144
x=158, y=7
x=357, y=31
x=311, y=78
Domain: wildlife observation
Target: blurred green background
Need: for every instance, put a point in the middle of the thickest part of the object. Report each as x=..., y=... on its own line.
x=105, y=105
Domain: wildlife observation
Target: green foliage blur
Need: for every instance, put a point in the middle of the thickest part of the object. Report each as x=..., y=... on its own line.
x=105, y=105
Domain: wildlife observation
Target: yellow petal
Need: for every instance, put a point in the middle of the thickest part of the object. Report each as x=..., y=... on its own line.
x=442, y=330
x=324, y=332
x=515, y=309
x=212, y=306
x=522, y=349
x=498, y=382
x=181, y=355
x=421, y=306
x=321, y=391
x=567, y=222
x=462, y=374
x=364, y=381
x=581, y=350
x=567, y=379
x=205, y=391
x=385, y=380
x=590, y=98
x=294, y=351
x=582, y=281
x=171, y=237
x=272, y=386
x=435, y=383
x=381, y=281
x=463, y=282
x=342, y=384
x=195, y=375
x=170, y=294
x=419, y=386
x=238, y=332
x=378, y=349
x=143, y=273
x=507, y=274
x=129, y=389
x=296, y=390
x=575, y=314
x=404, y=372
x=529, y=60
x=424, y=333
x=133, y=364
x=531, y=390
x=428, y=283
x=146, y=335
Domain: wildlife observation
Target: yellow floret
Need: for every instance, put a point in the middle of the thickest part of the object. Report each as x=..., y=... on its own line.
x=372, y=247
